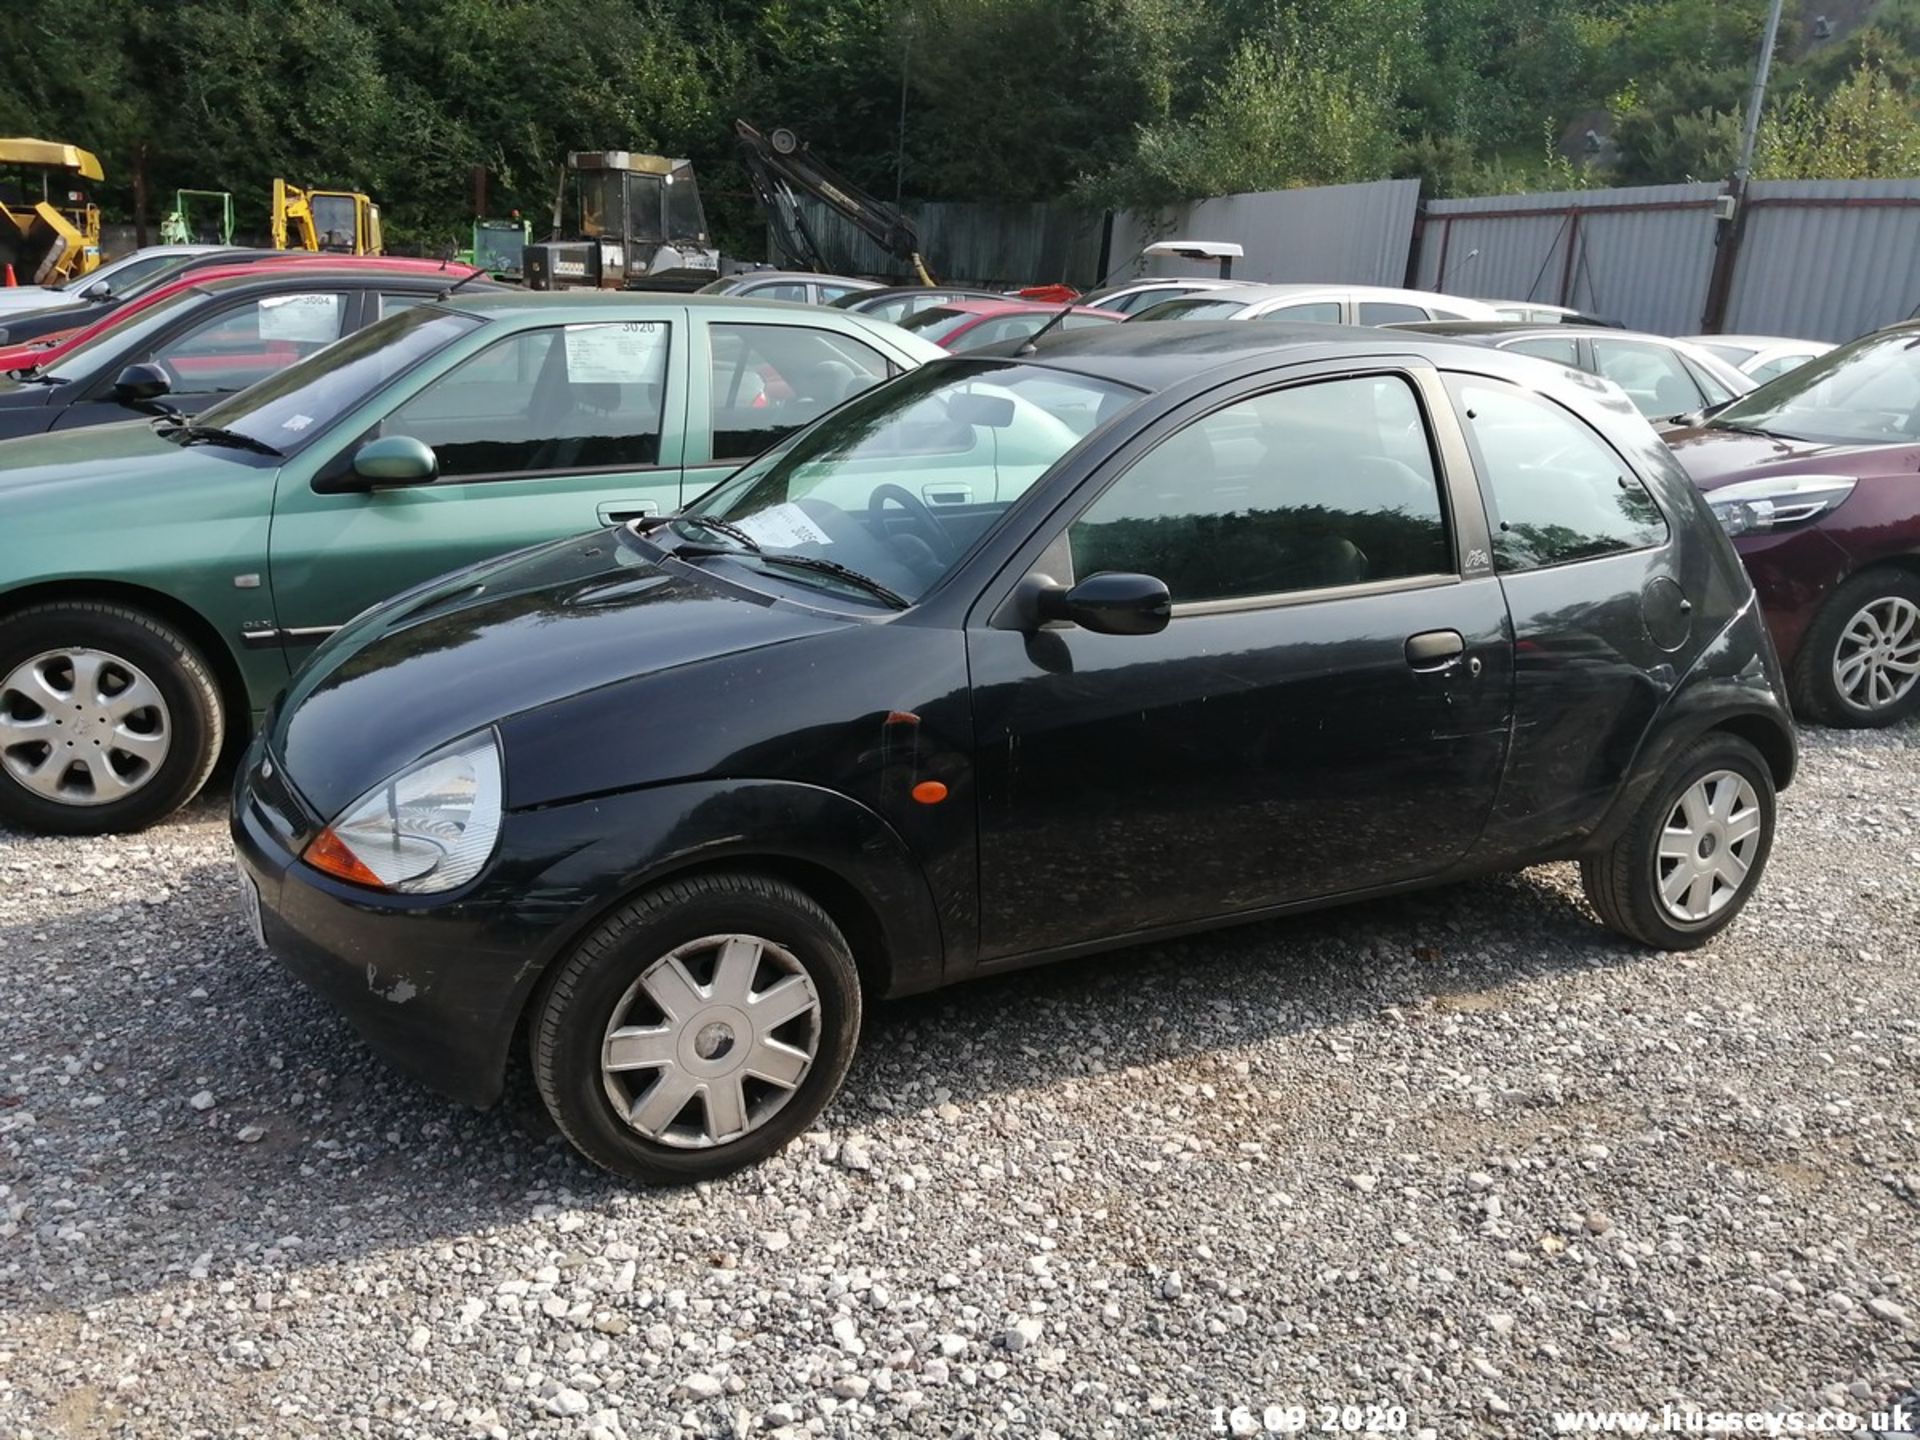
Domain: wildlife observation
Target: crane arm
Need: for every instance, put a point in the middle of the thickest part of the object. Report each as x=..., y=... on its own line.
x=781, y=168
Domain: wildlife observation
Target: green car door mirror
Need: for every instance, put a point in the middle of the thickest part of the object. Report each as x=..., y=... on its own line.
x=396, y=460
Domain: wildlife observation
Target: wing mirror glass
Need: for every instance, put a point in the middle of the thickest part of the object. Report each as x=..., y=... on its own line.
x=396, y=460
x=99, y=290
x=142, y=382
x=1110, y=603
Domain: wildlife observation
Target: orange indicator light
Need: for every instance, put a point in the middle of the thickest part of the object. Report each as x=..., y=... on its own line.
x=930, y=792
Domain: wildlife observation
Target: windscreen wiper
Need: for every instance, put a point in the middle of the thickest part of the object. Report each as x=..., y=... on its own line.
x=191, y=434
x=834, y=568
x=708, y=522
x=32, y=376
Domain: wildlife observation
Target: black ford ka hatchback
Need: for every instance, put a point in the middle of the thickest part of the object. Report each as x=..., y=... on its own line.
x=1008, y=660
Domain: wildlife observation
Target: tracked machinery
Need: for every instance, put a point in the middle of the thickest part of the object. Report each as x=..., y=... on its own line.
x=49, y=225
x=638, y=225
x=342, y=222
x=782, y=167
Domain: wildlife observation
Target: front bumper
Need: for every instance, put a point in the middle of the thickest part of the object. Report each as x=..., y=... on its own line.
x=435, y=989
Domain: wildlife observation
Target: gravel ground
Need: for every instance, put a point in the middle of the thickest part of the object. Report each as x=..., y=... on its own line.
x=1462, y=1153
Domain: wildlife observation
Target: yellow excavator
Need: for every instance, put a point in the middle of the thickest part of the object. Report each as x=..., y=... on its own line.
x=343, y=222
x=49, y=225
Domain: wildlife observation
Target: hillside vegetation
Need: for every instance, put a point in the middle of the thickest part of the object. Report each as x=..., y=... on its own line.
x=1113, y=101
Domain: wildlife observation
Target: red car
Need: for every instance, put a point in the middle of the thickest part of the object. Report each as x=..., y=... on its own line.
x=49, y=348
x=970, y=324
x=1814, y=476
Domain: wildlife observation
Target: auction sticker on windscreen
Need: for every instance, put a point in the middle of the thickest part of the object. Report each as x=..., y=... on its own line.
x=300, y=317
x=782, y=527
x=621, y=352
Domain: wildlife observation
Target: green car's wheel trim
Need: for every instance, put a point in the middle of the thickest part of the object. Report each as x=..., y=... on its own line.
x=82, y=727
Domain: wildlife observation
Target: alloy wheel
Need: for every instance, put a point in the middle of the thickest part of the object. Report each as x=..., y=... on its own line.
x=1877, y=662
x=1708, y=846
x=82, y=727
x=711, y=1041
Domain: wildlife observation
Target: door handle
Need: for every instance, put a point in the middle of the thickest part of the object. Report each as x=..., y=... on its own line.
x=1432, y=650
x=618, y=512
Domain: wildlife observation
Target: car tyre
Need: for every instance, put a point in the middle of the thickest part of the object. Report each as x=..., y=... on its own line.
x=163, y=752
x=657, y=989
x=1872, y=605
x=1710, y=817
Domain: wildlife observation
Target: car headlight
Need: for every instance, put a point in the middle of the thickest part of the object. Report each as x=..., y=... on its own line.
x=428, y=829
x=1777, y=501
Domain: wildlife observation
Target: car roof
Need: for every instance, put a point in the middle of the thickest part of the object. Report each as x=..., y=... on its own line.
x=1758, y=342
x=887, y=292
x=1155, y=282
x=755, y=277
x=1153, y=357
x=508, y=301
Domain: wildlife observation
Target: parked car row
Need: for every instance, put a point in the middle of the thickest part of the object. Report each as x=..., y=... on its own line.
x=840, y=657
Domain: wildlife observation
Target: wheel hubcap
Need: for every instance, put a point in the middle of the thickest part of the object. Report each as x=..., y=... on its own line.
x=1877, y=661
x=711, y=1041
x=1708, y=846
x=82, y=727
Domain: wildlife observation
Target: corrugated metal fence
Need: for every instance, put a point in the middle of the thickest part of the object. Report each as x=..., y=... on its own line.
x=1641, y=255
x=1358, y=234
x=1825, y=259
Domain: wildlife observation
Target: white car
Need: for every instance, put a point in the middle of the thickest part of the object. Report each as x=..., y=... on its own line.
x=114, y=276
x=1132, y=295
x=1761, y=356
x=1331, y=304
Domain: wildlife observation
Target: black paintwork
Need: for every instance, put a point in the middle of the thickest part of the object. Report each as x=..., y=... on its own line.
x=33, y=407
x=21, y=326
x=658, y=715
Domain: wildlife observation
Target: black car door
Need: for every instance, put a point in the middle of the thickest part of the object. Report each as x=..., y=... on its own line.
x=1328, y=709
x=223, y=348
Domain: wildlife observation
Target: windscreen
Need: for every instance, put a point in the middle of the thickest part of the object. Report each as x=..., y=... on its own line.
x=300, y=402
x=1865, y=393
x=335, y=223
x=686, y=220
x=900, y=482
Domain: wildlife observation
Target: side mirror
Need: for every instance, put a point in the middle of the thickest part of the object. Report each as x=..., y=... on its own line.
x=140, y=383
x=396, y=460
x=99, y=290
x=1110, y=603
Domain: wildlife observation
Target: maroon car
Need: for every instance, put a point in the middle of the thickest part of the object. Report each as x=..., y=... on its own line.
x=1816, y=475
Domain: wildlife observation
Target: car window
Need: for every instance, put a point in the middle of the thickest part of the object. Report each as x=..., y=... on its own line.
x=243, y=343
x=394, y=304
x=830, y=293
x=1322, y=310
x=1000, y=327
x=1387, y=312
x=1653, y=376
x=1315, y=486
x=778, y=290
x=1863, y=393
x=1141, y=299
x=768, y=380
x=1557, y=491
x=575, y=397
x=1195, y=307
x=1710, y=384
x=1732, y=354
x=1074, y=320
x=1442, y=314
x=1547, y=347
x=1779, y=365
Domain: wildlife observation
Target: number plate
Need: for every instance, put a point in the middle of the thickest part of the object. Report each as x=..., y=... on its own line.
x=250, y=904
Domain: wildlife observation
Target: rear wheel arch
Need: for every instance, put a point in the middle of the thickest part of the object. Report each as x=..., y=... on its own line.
x=190, y=623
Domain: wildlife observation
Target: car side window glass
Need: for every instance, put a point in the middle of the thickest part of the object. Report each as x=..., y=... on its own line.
x=1767, y=369
x=245, y=343
x=768, y=380
x=577, y=397
x=1326, y=310
x=831, y=293
x=1557, y=491
x=1709, y=384
x=1316, y=486
x=1653, y=377
x=394, y=304
x=1561, y=352
x=782, y=290
x=1387, y=312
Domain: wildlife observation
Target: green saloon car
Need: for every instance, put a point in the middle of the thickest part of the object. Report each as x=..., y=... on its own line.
x=160, y=580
